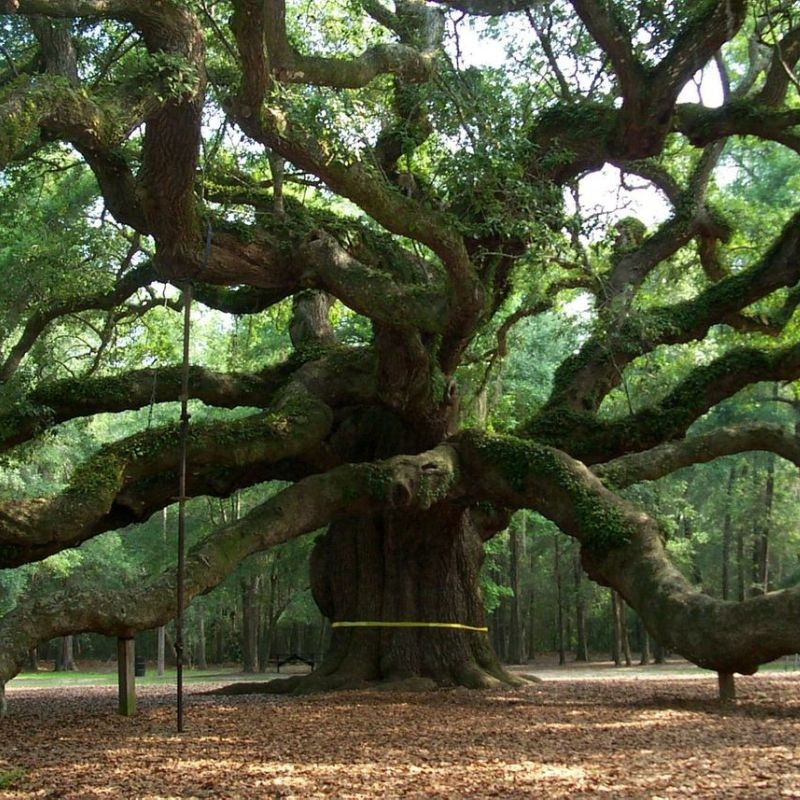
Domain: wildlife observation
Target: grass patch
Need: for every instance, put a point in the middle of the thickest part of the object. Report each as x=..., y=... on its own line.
x=34, y=680
x=8, y=777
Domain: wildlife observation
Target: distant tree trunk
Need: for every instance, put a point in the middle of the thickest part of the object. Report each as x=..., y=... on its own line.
x=161, y=650
x=531, y=624
x=65, y=659
x=33, y=660
x=516, y=632
x=616, y=638
x=659, y=656
x=761, y=533
x=219, y=640
x=269, y=618
x=201, y=638
x=741, y=584
x=250, y=624
x=727, y=534
x=498, y=628
x=688, y=533
x=581, y=640
x=562, y=653
x=646, y=654
x=623, y=622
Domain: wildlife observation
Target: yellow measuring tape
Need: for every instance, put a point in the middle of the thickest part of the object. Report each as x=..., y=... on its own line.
x=456, y=625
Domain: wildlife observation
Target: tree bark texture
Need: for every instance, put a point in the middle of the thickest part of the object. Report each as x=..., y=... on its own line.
x=404, y=568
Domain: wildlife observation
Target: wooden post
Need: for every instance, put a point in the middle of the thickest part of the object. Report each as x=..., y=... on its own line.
x=126, y=649
x=727, y=686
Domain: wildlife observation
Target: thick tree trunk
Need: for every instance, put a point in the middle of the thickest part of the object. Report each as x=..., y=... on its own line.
x=391, y=585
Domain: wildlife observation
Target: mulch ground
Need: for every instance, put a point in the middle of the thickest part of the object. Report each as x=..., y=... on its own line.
x=609, y=737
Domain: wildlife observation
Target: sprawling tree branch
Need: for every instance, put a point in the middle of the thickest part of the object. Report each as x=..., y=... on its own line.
x=320, y=371
x=121, y=483
x=780, y=75
x=584, y=379
x=38, y=321
x=593, y=440
x=622, y=547
x=702, y=125
x=666, y=458
x=165, y=182
x=490, y=8
x=608, y=31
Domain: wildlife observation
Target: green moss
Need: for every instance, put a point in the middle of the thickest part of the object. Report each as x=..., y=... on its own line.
x=601, y=524
x=28, y=100
x=558, y=426
x=99, y=476
x=379, y=481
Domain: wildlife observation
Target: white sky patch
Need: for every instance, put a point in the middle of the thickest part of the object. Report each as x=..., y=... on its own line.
x=605, y=195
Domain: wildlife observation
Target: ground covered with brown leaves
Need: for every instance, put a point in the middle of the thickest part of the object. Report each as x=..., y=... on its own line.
x=597, y=737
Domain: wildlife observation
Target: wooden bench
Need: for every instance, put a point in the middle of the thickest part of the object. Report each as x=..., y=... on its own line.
x=293, y=658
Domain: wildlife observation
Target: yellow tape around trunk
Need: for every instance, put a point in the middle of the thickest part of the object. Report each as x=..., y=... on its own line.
x=456, y=625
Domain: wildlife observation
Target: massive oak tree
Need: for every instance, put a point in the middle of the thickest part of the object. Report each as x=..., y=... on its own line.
x=349, y=161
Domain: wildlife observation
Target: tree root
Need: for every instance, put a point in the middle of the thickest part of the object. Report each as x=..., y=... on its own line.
x=471, y=677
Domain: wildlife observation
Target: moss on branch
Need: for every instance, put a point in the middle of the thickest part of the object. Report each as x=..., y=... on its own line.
x=540, y=477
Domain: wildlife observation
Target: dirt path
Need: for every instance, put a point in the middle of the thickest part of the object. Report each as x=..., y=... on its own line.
x=620, y=737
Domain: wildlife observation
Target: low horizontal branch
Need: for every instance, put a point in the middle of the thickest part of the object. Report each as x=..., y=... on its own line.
x=129, y=480
x=657, y=462
x=622, y=547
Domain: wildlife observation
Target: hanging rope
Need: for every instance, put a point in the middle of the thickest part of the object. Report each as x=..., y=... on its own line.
x=184, y=439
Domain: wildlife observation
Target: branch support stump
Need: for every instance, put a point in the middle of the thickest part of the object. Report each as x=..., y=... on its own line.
x=126, y=649
x=727, y=686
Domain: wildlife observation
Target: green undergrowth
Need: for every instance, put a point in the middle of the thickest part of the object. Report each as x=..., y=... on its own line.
x=8, y=777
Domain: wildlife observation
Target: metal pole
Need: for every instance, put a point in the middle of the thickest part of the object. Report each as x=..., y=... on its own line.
x=184, y=437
